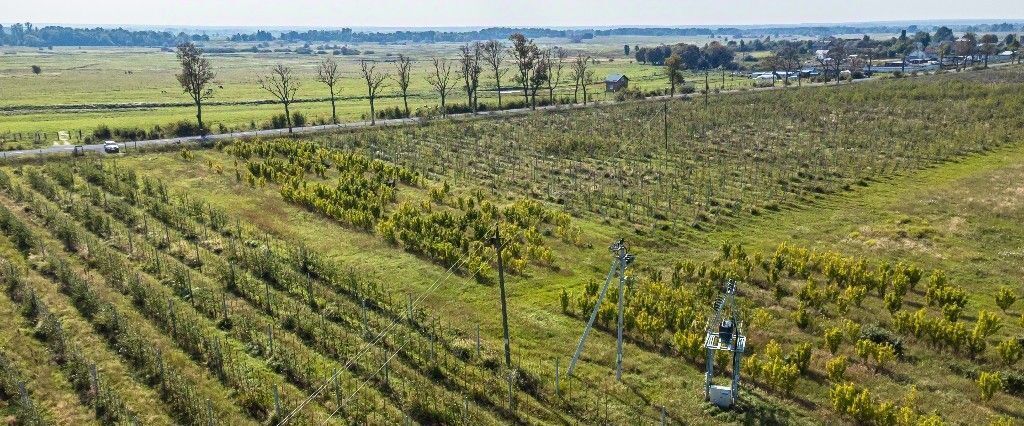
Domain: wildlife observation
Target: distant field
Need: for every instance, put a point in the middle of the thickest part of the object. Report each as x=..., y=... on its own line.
x=115, y=76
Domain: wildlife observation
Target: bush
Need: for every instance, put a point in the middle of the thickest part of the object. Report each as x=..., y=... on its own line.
x=101, y=132
x=989, y=384
x=298, y=119
x=183, y=128
x=629, y=94
x=881, y=335
x=391, y=113
x=36, y=69
x=833, y=338
x=1010, y=351
x=1005, y=298
x=835, y=369
x=129, y=134
x=279, y=121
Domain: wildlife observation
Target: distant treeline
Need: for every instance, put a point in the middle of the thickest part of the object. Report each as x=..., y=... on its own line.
x=29, y=35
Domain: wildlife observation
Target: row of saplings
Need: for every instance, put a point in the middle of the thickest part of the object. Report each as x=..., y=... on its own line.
x=265, y=263
x=454, y=231
x=680, y=307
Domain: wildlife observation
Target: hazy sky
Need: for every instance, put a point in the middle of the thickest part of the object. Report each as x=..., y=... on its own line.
x=473, y=13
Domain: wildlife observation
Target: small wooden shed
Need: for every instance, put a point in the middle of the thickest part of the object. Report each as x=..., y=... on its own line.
x=616, y=82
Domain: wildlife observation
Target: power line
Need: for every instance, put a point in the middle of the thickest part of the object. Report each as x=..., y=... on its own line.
x=388, y=360
x=367, y=345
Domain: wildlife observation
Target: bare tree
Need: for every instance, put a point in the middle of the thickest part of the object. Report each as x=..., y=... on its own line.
x=373, y=79
x=789, y=60
x=525, y=55
x=836, y=57
x=469, y=62
x=555, y=62
x=494, y=54
x=588, y=79
x=965, y=49
x=402, y=69
x=196, y=74
x=442, y=81
x=772, y=62
x=577, y=72
x=327, y=73
x=282, y=84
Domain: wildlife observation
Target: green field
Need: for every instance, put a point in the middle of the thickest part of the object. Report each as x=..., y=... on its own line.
x=821, y=201
x=103, y=83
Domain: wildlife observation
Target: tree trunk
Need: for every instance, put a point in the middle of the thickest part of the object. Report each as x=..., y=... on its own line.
x=287, y=117
x=334, y=111
x=373, y=113
x=405, y=100
x=199, y=117
x=497, y=80
x=444, y=109
x=526, y=90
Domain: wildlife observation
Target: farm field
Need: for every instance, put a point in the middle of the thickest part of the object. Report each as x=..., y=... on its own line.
x=870, y=226
x=135, y=87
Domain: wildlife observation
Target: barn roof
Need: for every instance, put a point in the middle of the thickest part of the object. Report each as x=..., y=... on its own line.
x=612, y=78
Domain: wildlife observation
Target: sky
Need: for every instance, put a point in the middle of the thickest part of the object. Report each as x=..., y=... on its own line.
x=485, y=13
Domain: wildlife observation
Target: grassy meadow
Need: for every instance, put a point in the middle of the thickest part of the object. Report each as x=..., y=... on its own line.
x=94, y=86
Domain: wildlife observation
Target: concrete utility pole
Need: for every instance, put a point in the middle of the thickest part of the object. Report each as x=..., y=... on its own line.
x=501, y=285
x=622, y=297
x=621, y=259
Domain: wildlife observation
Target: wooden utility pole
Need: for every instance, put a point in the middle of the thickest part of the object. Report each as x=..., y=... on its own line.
x=501, y=286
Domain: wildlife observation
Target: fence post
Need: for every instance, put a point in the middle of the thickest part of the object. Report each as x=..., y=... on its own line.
x=557, y=376
x=209, y=413
x=270, y=336
x=95, y=380
x=277, y=403
x=25, y=400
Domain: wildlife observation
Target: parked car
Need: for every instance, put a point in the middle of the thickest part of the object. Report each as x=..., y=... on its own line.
x=111, y=147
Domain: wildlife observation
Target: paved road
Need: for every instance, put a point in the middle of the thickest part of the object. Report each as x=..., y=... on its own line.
x=129, y=146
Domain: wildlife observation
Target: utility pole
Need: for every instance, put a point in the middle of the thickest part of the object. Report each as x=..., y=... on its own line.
x=622, y=297
x=501, y=285
x=621, y=259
